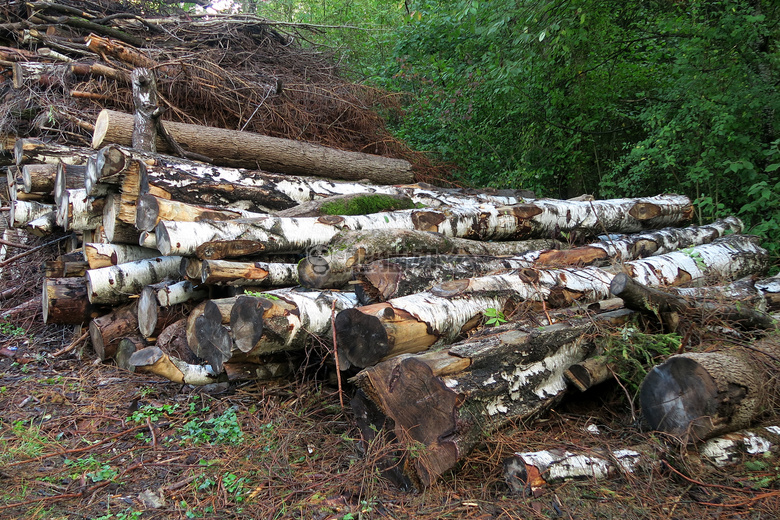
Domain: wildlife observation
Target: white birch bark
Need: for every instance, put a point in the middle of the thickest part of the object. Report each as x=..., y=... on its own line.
x=104, y=255
x=485, y=222
x=179, y=292
x=22, y=212
x=115, y=284
x=44, y=225
x=261, y=274
x=155, y=361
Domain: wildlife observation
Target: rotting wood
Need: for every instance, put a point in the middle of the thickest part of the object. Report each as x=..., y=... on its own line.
x=695, y=396
x=250, y=150
x=155, y=361
x=144, y=133
x=477, y=386
x=64, y=301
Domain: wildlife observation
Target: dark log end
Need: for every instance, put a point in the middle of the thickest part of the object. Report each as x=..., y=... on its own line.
x=619, y=284
x=96, y=337
x=215, y=344
x=679, y=397
x=314, y=272
x=110, y=160
x=147, y=312
x=127, y=347
x=146, y=211
x=146, y=357
x=362, y=339
x=379, y=281
x=246, y=322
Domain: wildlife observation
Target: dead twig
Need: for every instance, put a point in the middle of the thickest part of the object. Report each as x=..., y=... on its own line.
x=73, y=345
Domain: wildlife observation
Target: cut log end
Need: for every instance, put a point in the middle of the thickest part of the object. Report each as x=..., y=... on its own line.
x=148, y=308
x=146, y=211
x=246, y=322
x=362, y=339
x=314, y=272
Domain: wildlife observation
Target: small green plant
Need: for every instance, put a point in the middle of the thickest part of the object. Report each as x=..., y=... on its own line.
x=93, y=469
x=9, y=329
x=222, y=429
x=126, y=515
x=153, y=412
x=494, y=317
x=696, y=256
x=258, y=294
x=631, y=353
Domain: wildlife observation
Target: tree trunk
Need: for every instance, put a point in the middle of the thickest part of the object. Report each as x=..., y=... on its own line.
x=347, y=250
x=144, y=133
x=107, y=331
x=250, y=150
x=656, y=304
x=259, y=274
x=477, y=386
x=115, y=284
x=64, y=301
x=277, y=234
x=207, y=336
x=105, y=255
x=589, y=373
x=23, y=212
x=416, y=322
x=699, y=395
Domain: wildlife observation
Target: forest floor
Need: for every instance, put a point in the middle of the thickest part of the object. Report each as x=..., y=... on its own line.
x=82, y=439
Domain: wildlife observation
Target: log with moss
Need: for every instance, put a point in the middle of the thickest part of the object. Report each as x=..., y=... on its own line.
x=350, y=204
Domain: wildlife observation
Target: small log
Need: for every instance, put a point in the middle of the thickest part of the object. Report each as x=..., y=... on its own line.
x=77, y=211
x=28, y=151
x=155, y=361
x=115, y=284
x=67, y=177
x=589, y=373
x=38, y=177
x=148, y=240
x=206, y=336
x=65, y=268
x=23, y=212
x=349, y=249
x=126, y=348
x=173, y=340
x=105, y=255
x=250, y=150
x=260, y=274
x=150, y=210
x=695, y=396
x=477, y=386
x=164, y=301
x=108, y=330
x=180, y=292
x=116, y=230
x=44, y=225
x=64, y=301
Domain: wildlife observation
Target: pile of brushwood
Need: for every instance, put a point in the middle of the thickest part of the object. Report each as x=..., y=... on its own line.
x=447, y=313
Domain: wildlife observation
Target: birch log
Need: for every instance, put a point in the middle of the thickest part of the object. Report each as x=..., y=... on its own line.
x=28, y=151
x=104, y=255
x=77, y=211
x=38, y=177
x=116, y=230
x=261, y=274
x=250, y=150
x=44, y=225
x=347, y=250
x=23, y=212
x=695, y=396
x=369, y=334
x=155, y=361
x=445, y=401
x=150, y=210
x=115, y=284
x=67, y=177
x=217, y=240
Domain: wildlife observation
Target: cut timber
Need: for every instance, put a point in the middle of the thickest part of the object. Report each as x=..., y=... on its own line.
x=384, y=279
x=155, y=361
x=144, y=133
x=657, y=303
x=444, y=402
x=150, y=210
x=115, y=284
x=261, y=274
x=250, y=150
x=180, y=292
x=589, y=373
x=732, y=447
x=418, y=321
x=77, y=211
x=23, y=212
x=347, y=250
x=173, y=340
x=351, y=204
x=207, y=336
x=126, y=348
x=27, y=73
x=117, y=231
x=38, y=177
x=64, y=301
x=278, y=234
x=526, y=473
x=104, y=255
x=67, y=177
x=36, y=151
x=161, y=302
x=107, y=331
x=695, y=396
x=65, y=267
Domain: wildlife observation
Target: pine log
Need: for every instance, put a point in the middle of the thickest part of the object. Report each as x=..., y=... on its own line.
x=695, y=396
x=250, y=150
x=155, y=361
x=656, y=303
x=23, y=212
x=64, y=301
x=333, y=267
x=150, y=210
x=259, y=274
x=115, y=284
x=104, y=255
x=413, y=323
x=38, y=177
x=277, y=234
x=440, y=404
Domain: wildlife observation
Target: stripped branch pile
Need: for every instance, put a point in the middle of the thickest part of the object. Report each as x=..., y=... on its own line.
x=203, y=272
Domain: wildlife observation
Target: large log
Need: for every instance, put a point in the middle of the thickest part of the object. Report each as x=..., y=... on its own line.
x=278, y=234
x=28, y=151
x=107, y=331
x=382, y=280
x=440, y=404
x=250, y=150
x=115, y=284
x=695, y=396
x=150, y=210
x=413, y=323
x=334, y=266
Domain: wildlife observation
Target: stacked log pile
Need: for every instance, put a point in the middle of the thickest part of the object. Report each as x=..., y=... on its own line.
x=215, y=271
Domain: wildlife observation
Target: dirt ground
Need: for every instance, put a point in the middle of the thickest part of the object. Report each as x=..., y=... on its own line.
x=81, y=439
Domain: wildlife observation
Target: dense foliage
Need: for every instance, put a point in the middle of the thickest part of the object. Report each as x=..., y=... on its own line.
x=584, y=96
